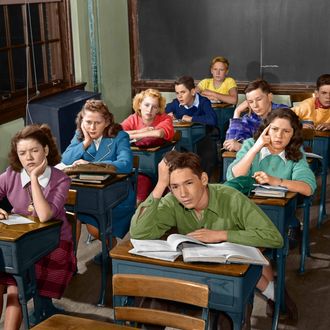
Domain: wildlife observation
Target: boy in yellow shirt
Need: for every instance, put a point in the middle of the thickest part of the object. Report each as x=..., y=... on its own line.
x=317, y=108
x=219, y=88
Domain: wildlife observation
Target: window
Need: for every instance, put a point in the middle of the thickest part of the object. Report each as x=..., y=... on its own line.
x=35, y=51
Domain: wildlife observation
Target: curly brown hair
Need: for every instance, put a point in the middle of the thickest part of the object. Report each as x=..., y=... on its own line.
x=179, y=160
x=98, y=106
x=40, y=133
x=293, y=149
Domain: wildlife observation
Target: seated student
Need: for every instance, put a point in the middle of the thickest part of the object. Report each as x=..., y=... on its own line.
x=148, y=121
x=209, y=212
x=219, y=88
x=35, y=187
x=99, y=139
x=317, y=108
x=259, y=104
x=192, y=107
x=274, y=156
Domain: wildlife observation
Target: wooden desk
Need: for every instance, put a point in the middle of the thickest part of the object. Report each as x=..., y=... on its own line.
x=282, y=212
x=98, y=200
x=321, y=146
x=191, y=134
x=149, y=158
x=231, y=286
x=21, y=247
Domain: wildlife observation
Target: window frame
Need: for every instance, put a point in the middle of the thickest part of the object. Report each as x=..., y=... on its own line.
x=13, y=106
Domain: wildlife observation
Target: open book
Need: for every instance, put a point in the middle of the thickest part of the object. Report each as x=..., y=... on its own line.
x=193, y=250
x=269, y=191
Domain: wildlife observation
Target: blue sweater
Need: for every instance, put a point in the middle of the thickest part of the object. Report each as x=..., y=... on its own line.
x=203, y=114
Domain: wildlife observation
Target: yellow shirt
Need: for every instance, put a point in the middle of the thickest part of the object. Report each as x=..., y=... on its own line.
x=305, y=110
x=224, y=88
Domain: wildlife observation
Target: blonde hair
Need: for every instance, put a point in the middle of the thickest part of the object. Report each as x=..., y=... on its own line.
x=220, y=59
x=138, y=98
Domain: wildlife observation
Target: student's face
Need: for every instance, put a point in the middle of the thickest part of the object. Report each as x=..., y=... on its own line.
x=219, y=71
x=149, y=108
x=323, y=95
x=259, y=102
x=94, y=123
x=31, y=153
x=280, y=133
x=184, y=95
x=188, y=188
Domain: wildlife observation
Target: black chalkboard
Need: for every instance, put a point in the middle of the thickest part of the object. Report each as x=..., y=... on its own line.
x=284, y=41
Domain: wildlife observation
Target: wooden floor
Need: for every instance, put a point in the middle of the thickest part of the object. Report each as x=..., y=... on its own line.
x=310, y=291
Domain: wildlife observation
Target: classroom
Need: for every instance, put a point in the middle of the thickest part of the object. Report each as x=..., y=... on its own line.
x=112, y=50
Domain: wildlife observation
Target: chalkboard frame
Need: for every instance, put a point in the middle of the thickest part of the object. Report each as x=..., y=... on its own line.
x=298, y=91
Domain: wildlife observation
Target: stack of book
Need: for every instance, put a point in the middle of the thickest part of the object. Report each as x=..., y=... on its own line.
x=265, y=190
x=91, y=178
x=193, y=250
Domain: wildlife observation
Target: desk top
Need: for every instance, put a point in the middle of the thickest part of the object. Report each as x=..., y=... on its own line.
x=182, y=123
x=12, y=233
x=259, y=200
x=322, y=133
x=229, y=154
x=121, y=252
x=114, y=179
x=222, y=105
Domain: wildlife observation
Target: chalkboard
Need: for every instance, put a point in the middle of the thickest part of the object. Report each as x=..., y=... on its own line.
x=283, y=41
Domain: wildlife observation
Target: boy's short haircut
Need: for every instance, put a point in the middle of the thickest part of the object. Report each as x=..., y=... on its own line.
x=322, y=80
x=186, y=81
x=219, y=59
x=255, y=84
x=180, y=160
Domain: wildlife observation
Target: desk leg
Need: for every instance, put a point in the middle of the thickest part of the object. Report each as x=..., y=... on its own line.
x=105, y=261
x=322, y=209
x=23, y=300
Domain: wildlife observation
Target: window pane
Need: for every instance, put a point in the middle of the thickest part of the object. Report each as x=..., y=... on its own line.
x=54, y=61
x=19, y=67
x=38, y=67
x=34, y=20
x=4, y=76
x=2, y=28
x=16, y=24
x=51, y=21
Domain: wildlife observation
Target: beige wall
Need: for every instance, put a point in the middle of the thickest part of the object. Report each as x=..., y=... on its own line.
x=111, y=25
x=7, y=131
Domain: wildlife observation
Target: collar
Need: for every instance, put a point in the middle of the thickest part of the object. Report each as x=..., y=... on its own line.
x=264, y=152
x=97, y=143
x=43, y=179
x=319, y=105
x=195, y=103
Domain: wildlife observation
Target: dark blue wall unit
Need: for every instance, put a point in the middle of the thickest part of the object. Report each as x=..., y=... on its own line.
x=59, y=112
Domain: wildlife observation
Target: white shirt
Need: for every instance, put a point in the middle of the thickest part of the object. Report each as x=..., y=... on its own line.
x=195, y=103
x=97, y=142
x=264, y=152
x=43, y=179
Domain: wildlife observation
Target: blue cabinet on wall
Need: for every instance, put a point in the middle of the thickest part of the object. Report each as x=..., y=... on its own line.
x=59, y=112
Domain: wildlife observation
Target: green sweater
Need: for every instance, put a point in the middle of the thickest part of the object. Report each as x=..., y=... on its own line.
x=228, y=209
x=274, y=165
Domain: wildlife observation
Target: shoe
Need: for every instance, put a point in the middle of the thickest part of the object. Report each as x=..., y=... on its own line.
x=270, y=308
x=248, y=313
x=291, y=307
x=98, y=259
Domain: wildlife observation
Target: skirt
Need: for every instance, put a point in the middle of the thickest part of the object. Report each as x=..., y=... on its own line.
x=53, y=272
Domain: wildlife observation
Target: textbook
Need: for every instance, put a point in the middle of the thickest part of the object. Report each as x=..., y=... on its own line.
x=94, y=177
x=269, y=191
x=193, y=250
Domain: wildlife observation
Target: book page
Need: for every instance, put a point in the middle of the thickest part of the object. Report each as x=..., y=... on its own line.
x=161, y=255
x=151, y=245
x=269, y=187
x=176, y=239
x=16, y=219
